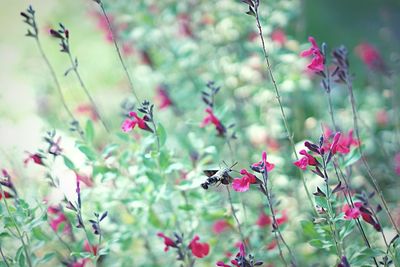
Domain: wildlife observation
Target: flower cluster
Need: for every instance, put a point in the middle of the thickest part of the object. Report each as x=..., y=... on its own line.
x=318, y=61
x=360, y=209
x=198, y=249
x=130, y=123
x=241, y=259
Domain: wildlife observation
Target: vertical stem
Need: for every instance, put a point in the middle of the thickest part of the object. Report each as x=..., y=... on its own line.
x=278, y=97
x=27, y=255
x=118, y=51
x=369, y=172
x=75, y=68
x=58, y=86
x=236, y=219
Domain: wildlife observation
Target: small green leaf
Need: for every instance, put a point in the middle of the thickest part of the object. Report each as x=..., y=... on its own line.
x=89, y=153
x=322, y=202
x=162, y=134
x=153, y=219
x=70, y=165
x=89, y=131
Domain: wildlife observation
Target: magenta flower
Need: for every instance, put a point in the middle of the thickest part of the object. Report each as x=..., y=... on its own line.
x=243, y=184
x=58, y=219
x=199, y=250
x=168, y=242
x=370, y=56
x=278, y=36
x=210, y=118
x=352, y=213
x=341, y=143
x=307, y=160
x=133, y=120
x=263, y=165
x=317, y=62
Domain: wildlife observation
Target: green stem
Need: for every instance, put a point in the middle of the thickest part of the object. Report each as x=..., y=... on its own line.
x=20, y=236
x=4, y=257
x=83, y=86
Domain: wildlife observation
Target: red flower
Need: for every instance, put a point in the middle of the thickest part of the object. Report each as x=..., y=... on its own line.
x=130, y=124
x=212, y=119
x=263, y=164
x=184, y=25
x=341, y=143
x=370, y=56
x=163, y=97
x=305, y=161
x=200, y=250
x=243, y=184
x=360, y=210
x=168, y=242
x=220, y=226
x=36, y=158
x=317, y=63
x=263, y=220
x=278, y=36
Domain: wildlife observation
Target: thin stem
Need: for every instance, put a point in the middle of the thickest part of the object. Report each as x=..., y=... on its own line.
x=78, y=76
x=369, y=172
x=278, y=97
x=4, y=257
x=275, y=224
x=118, y=51
x=236, y=218
x=20, y=236
x=58, y=86
x=156, y=134
x=331, y=112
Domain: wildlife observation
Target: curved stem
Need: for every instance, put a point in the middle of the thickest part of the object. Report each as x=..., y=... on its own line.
x=4, y=257
x=236, y=219
x=78, y=76
x=278, y=97
x=118, y=51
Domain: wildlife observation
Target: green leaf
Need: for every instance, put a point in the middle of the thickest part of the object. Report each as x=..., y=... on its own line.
x=316, y=243
x=162, y=134
x=48, y=257
x=352, y=157
x=153, y=219
x=70, y=165
x=89, y=131
x=309, y=229
x=89, y=153
x=322, y=202
x=20, y=257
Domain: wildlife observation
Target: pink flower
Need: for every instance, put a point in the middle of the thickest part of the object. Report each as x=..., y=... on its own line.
x=317, y=63
x=220, y=226
x=341, y=142
x=352, y=213
x=243, y=184
x=210, y=118
x=397, y=163
x=382, y=117
x=184, y=25
x=36, y=158
x=163, y=97
x=78, y=263
x=370, y=56
x=273, y=244
x=58, y=219
x=199, y=250
x=168, y=242
x=134, y=120
x=263, y=220
x=88, y=110
x=263, y=165
x=278, y=36
x=302, y=163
